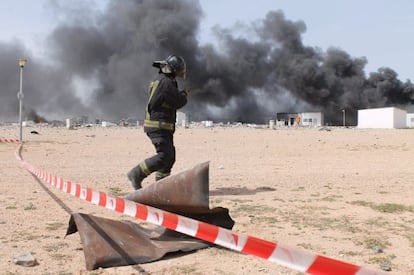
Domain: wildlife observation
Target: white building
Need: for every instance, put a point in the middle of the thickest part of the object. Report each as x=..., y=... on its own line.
x=309, y=119
x=28, y=123
x=108, y=124
x=410, y=120
x=182, y=120
x=389, y=117
x=314, y=119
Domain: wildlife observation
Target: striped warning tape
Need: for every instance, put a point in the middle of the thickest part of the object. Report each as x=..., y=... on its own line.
x=292, y=258
x=9, y=140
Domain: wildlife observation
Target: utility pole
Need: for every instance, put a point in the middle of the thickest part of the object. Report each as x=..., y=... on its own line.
x=22, y=63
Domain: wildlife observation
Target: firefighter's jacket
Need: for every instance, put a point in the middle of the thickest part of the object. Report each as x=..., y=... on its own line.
x=164, y=101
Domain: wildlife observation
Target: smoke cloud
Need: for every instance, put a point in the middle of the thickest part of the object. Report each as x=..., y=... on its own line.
x=101, y=67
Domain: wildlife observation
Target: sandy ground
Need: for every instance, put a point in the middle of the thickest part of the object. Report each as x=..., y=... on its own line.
x=336, y=193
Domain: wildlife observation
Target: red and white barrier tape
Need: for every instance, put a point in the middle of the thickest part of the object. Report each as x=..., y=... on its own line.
x=10, y=140
x=292, y=258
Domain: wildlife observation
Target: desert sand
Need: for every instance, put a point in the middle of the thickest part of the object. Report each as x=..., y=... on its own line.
x=338, y=192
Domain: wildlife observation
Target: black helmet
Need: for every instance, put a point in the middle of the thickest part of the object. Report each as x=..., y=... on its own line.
x=173, y=64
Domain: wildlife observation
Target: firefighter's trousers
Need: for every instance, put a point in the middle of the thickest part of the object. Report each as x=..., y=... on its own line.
x=164, y=159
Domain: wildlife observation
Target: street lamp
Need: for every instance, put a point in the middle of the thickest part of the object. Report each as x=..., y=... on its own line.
x=343, y=116
x=22, y=63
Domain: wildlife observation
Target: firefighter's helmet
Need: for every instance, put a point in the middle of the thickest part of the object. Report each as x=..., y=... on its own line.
x=173, y=64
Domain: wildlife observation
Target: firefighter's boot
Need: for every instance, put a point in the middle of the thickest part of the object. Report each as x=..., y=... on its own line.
x=136, y=175
x=160, y=175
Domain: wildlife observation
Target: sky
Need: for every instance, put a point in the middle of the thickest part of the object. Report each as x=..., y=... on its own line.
x=380, y=30
x=246, y=60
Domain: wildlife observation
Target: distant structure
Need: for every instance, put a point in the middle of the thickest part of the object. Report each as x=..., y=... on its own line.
x=308, y=119
x=76, y=121
x=389, y=117
x=313, y=119
x=182, y=120
x=285, y=119
x=108, y=124
x=410, y=120
x=69, y=124
x=28, y=123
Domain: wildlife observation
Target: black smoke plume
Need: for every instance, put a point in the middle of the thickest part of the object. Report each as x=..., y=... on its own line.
x=100, y=66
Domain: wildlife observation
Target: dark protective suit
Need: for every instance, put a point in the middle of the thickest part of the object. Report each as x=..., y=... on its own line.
x=164, y=101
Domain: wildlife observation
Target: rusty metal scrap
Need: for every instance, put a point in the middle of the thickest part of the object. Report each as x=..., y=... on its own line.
x=109, y=243
x=185, y=190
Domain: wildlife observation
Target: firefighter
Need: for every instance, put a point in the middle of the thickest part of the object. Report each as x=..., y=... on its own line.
x=164, y=100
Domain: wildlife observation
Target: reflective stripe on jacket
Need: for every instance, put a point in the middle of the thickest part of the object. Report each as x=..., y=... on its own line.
x=155, y=123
